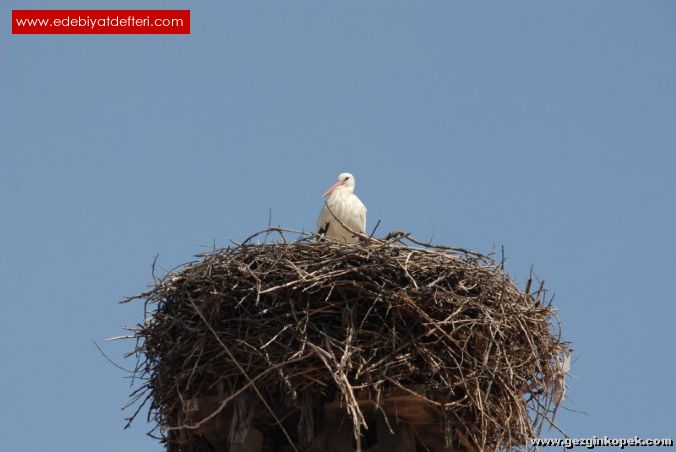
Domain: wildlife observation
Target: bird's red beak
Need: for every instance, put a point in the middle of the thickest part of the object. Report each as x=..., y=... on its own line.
x=330, y=190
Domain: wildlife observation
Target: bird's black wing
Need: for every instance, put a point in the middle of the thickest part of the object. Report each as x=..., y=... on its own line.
x=324, y=229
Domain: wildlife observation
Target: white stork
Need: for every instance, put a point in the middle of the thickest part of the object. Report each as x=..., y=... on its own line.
x=342, y=204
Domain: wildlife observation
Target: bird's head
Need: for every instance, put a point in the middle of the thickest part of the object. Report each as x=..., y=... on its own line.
x=345, y=182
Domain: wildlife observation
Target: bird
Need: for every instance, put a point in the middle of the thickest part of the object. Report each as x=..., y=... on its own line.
x=343, y=205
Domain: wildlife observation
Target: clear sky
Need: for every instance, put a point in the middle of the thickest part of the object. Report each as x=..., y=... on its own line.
x=546, y=127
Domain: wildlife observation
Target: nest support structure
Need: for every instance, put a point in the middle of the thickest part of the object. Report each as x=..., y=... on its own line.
x=309, y=343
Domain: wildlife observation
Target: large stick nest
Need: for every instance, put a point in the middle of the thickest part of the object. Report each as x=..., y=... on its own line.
x=287, y=319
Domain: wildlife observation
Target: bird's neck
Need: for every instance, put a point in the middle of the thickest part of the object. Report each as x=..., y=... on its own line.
x=341, y=192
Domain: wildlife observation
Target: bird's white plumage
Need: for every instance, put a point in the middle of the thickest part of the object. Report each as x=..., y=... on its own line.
x=344, y=205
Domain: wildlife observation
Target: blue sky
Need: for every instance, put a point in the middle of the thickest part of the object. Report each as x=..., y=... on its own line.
x=546, y=127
